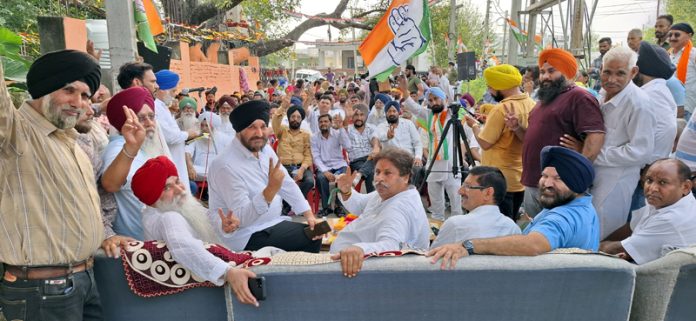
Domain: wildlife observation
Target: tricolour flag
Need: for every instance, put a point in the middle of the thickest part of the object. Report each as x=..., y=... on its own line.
x=403, y=32
x=144, y=33
x=521, y=35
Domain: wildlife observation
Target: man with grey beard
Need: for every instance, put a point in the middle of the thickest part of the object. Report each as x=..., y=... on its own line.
x=187, y=119
x=127, y=152
x=51, y=224
x=172, y=215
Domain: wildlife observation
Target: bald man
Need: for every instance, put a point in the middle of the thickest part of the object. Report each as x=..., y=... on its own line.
x=666, y=223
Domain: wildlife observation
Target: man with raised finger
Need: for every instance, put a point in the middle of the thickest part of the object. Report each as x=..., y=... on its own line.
x=172, y=215
x=389, y=219
x=503, y=148
x=249, y=179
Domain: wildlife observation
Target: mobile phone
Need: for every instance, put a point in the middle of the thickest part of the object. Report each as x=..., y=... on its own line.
x=319, y=229
x=257, y=286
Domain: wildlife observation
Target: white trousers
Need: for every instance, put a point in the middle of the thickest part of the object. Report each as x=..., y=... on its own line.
x=436, y=191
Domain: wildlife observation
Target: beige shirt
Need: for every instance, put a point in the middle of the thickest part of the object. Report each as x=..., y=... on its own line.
x=49, y=206
x=293, y=148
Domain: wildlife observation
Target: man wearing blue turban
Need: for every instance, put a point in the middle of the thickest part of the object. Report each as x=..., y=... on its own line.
x=568, y=219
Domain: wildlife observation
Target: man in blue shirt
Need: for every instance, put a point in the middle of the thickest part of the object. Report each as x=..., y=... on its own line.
x=568, y=219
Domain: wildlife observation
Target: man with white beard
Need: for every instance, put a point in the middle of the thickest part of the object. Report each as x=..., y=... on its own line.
x=225, y=133
x=187, y=120
x=174, y=137
x=201, y=151
x=126, y=153
x=172, y=215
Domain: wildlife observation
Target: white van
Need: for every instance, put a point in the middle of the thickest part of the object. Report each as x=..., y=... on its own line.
x=309, y=75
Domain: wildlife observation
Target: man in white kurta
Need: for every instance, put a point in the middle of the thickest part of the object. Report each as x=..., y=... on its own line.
x=441, y=179
x=629, y=141
x=391, y=218
x=666, y=223
x=483, y=189
x=175, y=137
x=248, y=180
x=172, y=215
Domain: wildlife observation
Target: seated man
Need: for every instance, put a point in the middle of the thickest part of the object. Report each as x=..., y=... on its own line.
x=327, y=151
x=187, y=118
x=483, y=189
x=390, y=219
x=294, y=150
x=568, y=219
x=666, y=223
x=173, y=216
x=402, y=134
x=363, y=146
x=249, y=180
x=201, y=151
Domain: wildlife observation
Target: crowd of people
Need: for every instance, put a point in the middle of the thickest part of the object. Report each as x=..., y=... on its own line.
x=598, y=159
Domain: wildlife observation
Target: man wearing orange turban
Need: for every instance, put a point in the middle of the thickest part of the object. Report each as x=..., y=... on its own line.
x=565, y=112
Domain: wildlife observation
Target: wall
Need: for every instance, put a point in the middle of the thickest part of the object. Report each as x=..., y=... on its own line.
x=207, y=74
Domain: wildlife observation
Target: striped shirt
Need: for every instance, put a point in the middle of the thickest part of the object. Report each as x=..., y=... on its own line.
x=49, y=206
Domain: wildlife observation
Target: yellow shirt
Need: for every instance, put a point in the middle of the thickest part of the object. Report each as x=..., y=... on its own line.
x=49, y=206
x=506, y=152
x=293, y=148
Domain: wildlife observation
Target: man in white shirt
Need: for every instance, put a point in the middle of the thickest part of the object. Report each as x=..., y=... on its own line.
x=187, y=116
x=390, y=219
x=483, y=189
x=684, y=57
x=400, y=134
x=378, y=114
x=629, y=142
x=172, y=215
x=175, y=137
x=666, y=223
x=225, y=133
x=250, y=181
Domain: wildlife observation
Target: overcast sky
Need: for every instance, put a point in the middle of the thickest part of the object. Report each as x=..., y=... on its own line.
x=613, y=18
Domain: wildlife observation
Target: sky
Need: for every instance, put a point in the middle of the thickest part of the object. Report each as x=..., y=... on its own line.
x=613, y=18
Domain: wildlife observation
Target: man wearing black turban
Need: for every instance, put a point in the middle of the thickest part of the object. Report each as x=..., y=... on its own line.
x=294, y=147
x=568, y=219
x=250, y=181
x=49, y=186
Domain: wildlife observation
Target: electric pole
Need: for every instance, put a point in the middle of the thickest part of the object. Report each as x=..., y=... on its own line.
x=513, y=49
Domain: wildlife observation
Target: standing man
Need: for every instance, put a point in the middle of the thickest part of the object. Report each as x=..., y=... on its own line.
x=137, y=74
x=662, y=25
x=684, y=57
x=441, y=179
x=51, y=223
x=327, y=151
x=250, y=181
x=175, y=137
x=629, y=143
x=363, y=147
x=604, y=46
x=414, y=83
x=330, y=76
x=563, y=110
x=502, y=147
x=635, y=36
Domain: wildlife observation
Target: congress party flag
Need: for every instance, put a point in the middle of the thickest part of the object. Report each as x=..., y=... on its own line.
x=403, y=32
x=143, y=27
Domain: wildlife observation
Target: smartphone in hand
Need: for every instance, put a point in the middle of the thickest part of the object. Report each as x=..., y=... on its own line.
x=257, y=286
x=320, y=228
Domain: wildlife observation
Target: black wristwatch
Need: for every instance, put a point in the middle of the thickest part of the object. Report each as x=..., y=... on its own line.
x=469, y=247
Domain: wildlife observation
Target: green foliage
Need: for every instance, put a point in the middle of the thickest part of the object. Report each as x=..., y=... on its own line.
x=13, y=64
x=470, y=26
x=682, y=11
x=277, y=59
x=477, y=88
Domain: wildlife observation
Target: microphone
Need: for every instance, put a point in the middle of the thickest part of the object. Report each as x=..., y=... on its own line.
x=186, y=91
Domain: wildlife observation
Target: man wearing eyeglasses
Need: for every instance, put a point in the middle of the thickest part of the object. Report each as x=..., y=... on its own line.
x=131, y=112
x=482, y=192
x=568, y=219
x=684, y=57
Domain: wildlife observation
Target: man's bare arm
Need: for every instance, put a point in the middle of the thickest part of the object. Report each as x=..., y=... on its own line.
x=593, y=145
x=531, y=244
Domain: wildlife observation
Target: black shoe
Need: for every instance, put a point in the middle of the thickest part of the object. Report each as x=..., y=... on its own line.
x=325, y=212
x=339, y=212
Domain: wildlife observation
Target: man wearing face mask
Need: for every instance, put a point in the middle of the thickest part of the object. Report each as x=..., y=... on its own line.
x=441, y=179
x=175, y=137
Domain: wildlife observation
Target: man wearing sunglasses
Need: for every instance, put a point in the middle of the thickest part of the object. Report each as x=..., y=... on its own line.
x=684, y=57
x=568, y=219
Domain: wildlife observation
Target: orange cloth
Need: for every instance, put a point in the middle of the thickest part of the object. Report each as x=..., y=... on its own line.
x=560, y=59
x=684, y=62
x=153, y=18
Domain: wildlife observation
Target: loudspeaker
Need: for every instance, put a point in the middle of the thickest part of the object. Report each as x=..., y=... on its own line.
x=466, y=66
x=159, y=60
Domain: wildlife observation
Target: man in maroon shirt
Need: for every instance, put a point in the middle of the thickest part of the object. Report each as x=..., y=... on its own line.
x=563, y=110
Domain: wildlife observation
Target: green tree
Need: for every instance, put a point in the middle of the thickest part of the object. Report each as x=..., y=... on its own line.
x=682, y=11
x=470, y=27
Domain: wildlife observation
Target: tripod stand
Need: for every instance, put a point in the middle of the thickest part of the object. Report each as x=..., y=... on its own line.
x=458, y=165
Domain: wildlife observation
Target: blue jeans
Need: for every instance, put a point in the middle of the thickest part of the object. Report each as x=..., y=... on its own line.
x=72, y=297
x=323, y=183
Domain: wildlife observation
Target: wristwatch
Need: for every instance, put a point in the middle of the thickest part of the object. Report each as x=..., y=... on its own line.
x=469, y=247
